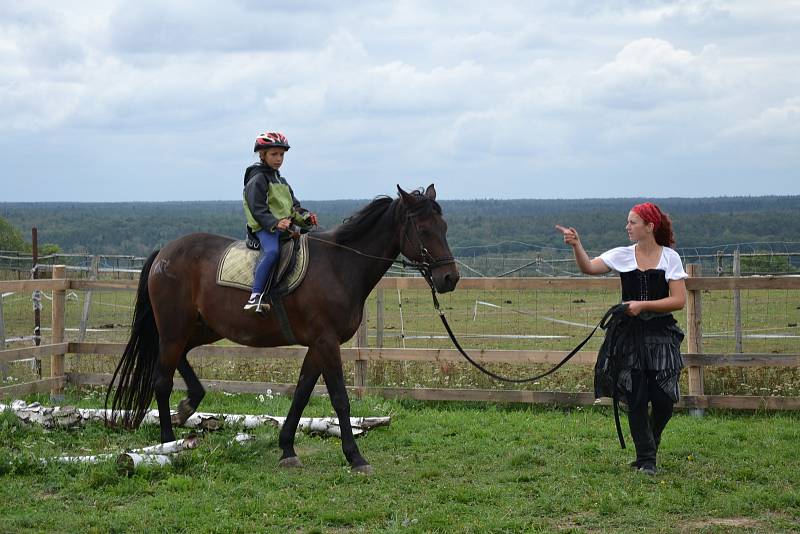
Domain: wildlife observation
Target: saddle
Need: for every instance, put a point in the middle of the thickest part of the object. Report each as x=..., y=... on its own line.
x=238, y=264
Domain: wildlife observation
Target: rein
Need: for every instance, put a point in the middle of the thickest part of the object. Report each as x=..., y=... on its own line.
x=426, y=266
x=618, y=308
x=482, y=369
x=404, y=263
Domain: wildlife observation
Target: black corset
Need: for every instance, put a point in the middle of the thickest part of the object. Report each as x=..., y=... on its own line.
x=644, y=285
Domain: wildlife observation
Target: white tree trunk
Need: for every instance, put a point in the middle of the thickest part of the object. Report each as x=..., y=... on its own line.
x=67, y=417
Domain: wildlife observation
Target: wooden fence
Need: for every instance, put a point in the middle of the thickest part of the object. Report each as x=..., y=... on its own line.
x=695, y=359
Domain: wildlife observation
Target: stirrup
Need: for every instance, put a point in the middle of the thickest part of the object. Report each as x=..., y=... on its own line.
x=260, y=306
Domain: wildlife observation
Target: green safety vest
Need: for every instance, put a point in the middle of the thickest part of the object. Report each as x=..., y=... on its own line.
x=280, y=205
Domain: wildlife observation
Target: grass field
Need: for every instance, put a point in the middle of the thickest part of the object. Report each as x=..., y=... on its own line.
x=438, y=468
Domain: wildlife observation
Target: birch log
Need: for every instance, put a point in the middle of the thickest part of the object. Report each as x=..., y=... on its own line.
x=128, y=462
x=67, y=417
x=172, y=447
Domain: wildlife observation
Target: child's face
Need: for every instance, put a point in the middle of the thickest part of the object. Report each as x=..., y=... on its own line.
x=273, y=157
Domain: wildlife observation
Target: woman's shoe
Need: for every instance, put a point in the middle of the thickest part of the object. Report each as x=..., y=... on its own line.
x=647, y=469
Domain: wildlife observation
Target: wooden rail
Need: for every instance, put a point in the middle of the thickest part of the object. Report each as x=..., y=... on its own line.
x=611, y=283
x=519, y=357
x=700, y=283
x=561, y=398
x=695, y=358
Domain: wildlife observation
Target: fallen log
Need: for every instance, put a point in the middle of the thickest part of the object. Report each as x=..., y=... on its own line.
x=172, y=447
x=48, y=417
x=128, y=462
x=161, y=455
x=312, y=425
x=68, y=417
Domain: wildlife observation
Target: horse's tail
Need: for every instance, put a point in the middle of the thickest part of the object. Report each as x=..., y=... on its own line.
x=134, y=372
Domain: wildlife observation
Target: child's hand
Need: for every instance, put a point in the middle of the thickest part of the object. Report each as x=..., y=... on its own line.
x=570, y=235
x=283, y=224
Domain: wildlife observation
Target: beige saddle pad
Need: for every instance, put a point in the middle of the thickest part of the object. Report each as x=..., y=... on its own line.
x=238, y=264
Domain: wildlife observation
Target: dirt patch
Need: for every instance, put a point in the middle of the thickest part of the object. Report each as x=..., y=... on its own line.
x=726, y=522
x=577, y=523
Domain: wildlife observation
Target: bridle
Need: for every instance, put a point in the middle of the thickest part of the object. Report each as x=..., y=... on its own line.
x=428, y=263
x=425, y=265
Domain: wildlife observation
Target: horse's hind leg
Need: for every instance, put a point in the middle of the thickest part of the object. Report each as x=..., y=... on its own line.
x=169, y=355
x=195, y=391
x=201, y=335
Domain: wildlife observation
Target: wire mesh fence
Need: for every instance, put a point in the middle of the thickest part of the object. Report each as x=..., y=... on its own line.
x=483, y=319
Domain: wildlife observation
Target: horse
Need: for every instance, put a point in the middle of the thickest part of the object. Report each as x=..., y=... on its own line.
x=179, y=306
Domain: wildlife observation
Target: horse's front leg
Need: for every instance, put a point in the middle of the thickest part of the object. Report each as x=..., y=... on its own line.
x=309, y=373
x=334, y=381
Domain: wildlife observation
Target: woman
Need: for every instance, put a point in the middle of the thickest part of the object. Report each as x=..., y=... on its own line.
x=646, y=344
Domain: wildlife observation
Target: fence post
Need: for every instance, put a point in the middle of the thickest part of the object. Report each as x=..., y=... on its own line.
x=3, y=366
x=379, y=368
x=57, y=360
x=379, y=305
x=361, y=366
x=694, y=335
x=87, y=302
x=737, y=300
x=37, y=301
x=2, y=326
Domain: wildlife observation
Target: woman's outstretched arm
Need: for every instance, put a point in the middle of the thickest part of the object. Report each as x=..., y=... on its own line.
x=585, y=264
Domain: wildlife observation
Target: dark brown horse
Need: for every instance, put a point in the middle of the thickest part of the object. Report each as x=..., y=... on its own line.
x=179, y=306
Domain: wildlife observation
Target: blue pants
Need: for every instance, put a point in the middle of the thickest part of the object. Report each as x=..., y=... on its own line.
x=269, y=254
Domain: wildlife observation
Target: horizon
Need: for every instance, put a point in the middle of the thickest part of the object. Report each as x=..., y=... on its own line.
x=564, y=199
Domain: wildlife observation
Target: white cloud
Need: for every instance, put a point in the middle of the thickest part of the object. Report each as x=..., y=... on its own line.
x=373, y=92
x=778, y=125
x=647, y=72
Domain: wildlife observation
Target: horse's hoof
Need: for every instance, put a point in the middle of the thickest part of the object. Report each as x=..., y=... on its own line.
x=292, y=461
x=185, y=411
x=365, y=469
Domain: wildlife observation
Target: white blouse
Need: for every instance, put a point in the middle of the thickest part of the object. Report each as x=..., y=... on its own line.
x=623, y=260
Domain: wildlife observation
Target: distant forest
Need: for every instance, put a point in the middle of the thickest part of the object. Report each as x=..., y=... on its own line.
x=139, y=227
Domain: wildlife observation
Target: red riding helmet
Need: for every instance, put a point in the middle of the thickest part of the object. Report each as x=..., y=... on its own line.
x=271, y=140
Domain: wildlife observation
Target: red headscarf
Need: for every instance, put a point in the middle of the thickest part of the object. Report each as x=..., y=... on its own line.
x=649, y=212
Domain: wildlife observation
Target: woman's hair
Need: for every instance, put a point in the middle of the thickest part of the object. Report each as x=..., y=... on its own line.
x=664, y=234
x=662, y=224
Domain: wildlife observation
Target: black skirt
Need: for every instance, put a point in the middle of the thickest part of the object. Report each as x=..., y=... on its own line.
x=637, y=344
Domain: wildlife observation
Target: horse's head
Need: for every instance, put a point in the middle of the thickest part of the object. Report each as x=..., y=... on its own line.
x=425, y=237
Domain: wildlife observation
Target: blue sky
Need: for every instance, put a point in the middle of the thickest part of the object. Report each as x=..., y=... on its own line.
x=145, y=100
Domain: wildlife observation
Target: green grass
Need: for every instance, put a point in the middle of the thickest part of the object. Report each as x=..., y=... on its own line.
x=439, y=468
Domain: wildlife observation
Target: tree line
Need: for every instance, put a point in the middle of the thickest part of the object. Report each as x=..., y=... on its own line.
x=507, y=225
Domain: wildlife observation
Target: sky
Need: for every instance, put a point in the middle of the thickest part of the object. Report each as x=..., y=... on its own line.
x=162, y=100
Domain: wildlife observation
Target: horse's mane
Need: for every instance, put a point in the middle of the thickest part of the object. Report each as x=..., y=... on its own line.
x=363, y=220
x=367, y=217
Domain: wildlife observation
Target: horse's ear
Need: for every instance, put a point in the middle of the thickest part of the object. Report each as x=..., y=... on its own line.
x=407, y=198
x=430, y=192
